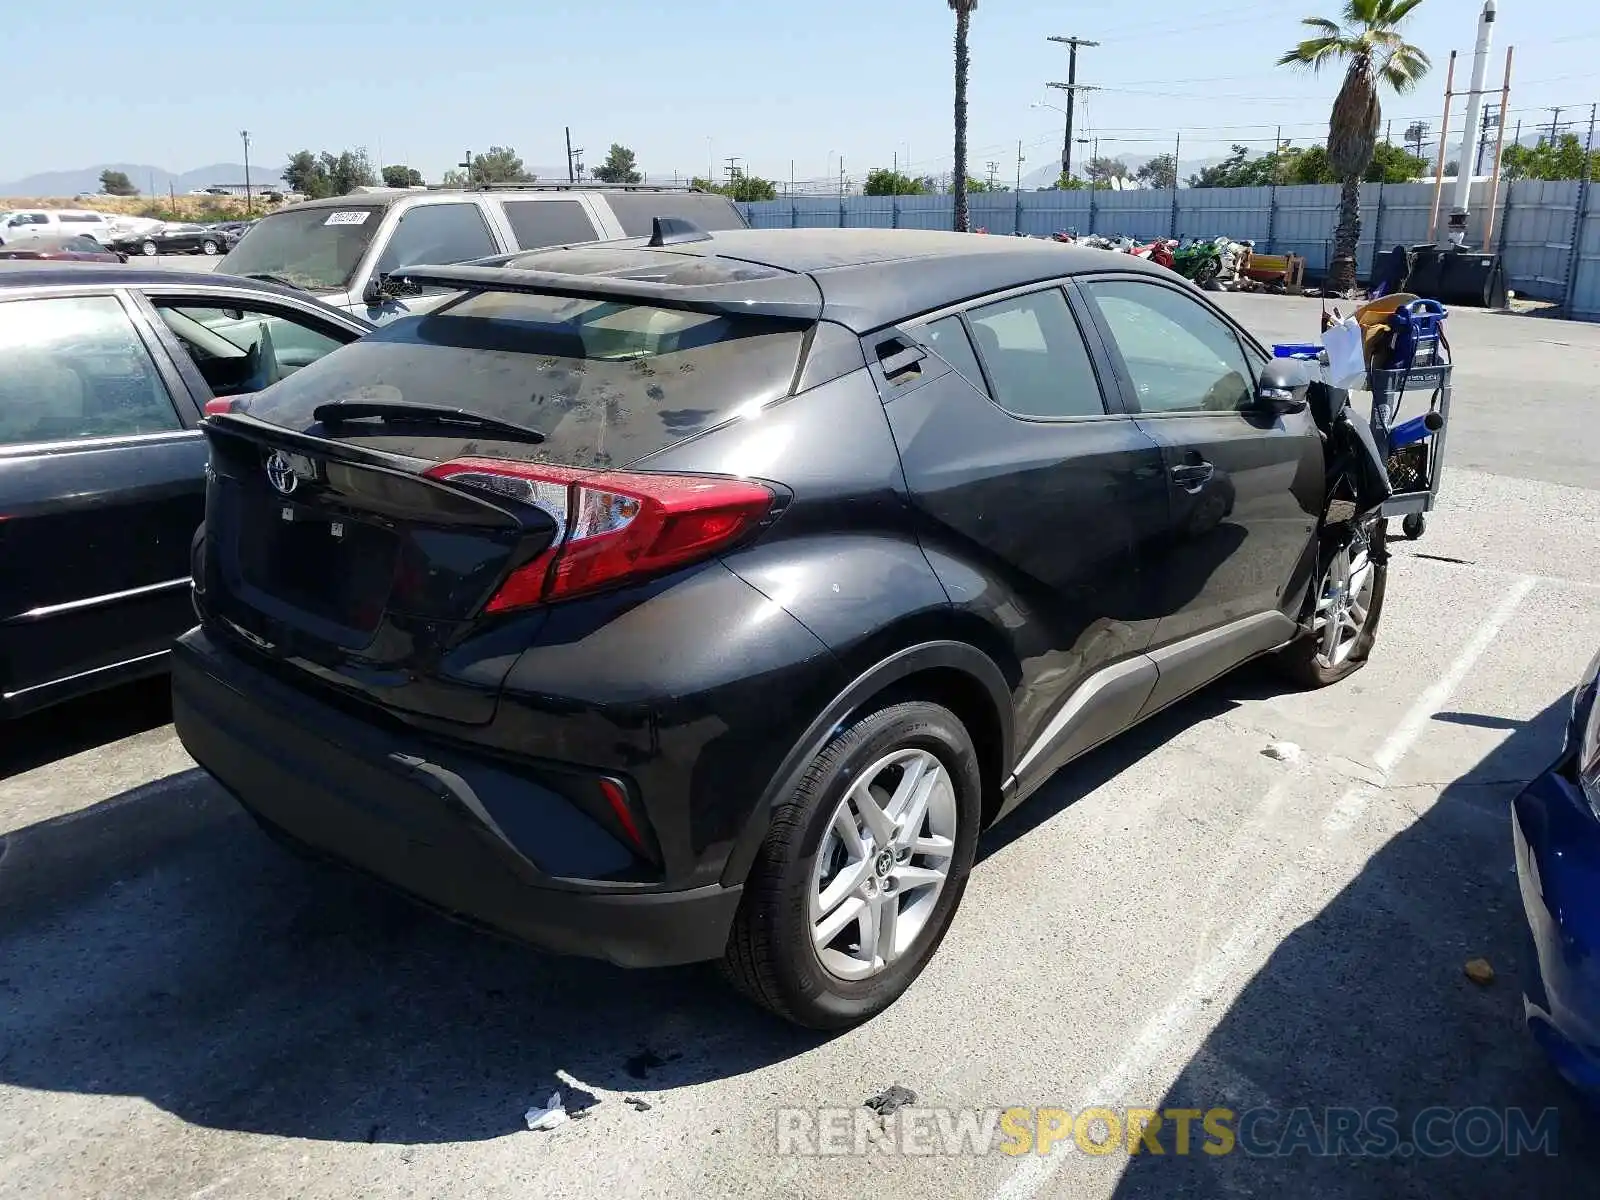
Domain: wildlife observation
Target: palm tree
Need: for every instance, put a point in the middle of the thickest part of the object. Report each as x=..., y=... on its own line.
x=1369, y=40
x=963, y=10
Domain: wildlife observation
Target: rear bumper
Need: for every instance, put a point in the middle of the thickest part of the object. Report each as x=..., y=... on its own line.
x=480, y=843
x=1557, y=839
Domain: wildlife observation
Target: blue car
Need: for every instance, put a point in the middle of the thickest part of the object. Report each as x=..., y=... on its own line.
x=1556, y=823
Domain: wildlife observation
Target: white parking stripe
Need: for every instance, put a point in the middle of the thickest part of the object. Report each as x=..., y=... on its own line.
x=1165, y=1028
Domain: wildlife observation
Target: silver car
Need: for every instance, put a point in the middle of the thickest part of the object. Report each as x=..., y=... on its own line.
x=342, y=249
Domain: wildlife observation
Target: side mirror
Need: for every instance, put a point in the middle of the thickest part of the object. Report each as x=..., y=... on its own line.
x=1282, y=386
x=373, y=293
x=382, y=288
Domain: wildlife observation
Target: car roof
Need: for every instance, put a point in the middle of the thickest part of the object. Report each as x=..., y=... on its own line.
x=24, y=274
x=866, y=278
x=387, y=197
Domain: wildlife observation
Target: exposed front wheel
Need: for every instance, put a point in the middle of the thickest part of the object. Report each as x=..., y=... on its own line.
x=862, y=869
x=208, y=247
x=1344, y=619
x=149, y=250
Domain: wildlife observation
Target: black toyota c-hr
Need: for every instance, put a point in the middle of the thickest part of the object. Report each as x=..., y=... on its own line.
x=704, y=598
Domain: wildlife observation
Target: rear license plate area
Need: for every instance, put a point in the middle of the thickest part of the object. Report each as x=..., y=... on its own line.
x=332, y=567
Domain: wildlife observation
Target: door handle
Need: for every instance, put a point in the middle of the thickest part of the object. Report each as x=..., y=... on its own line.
x=1193, y=476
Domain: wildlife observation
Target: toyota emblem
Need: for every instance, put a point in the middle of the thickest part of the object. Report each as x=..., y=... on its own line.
x=280, y=472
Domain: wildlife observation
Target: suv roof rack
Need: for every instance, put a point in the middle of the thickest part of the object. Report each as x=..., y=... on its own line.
x=582, y=187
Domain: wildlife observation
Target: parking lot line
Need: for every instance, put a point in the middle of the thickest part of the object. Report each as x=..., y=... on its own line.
x=1161, y=1032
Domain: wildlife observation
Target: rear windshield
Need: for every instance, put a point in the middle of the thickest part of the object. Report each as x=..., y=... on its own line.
x=606, y=382
x=313, y=248
x=708, y=211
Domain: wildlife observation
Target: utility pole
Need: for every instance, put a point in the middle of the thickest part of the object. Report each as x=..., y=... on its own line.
x=249, y=208
x=466, y=165
x=1555, y=121
x=1491, y=119
x=731, y=167
x=1072, y=89
x=570, y=179
x=994, y=173
x=1020, y=161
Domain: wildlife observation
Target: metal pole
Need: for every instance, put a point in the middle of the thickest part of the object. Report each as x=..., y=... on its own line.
x=1071, y=88
x=1499, y=145
x=1444, y=136
x=1377, y=221
x=1272, y=192
x=1579, y=210
x=1462, y=203
x=1177, y=148
x=248, y=205
x=1016, y=225
x=569, y=155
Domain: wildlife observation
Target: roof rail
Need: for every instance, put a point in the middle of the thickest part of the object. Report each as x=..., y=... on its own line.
x=579, y=186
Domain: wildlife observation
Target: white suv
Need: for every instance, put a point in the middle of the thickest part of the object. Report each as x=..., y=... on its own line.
x=59, y=222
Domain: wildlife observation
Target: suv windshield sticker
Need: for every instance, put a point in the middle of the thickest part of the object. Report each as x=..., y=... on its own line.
x=346, y=218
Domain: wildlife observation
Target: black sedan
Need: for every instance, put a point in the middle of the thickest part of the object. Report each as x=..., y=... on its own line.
x=177, y=239
x=104, y=375
x=705, y=599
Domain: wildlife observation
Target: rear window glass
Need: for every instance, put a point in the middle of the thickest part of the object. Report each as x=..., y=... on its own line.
x=605, y=382
x=709, y=211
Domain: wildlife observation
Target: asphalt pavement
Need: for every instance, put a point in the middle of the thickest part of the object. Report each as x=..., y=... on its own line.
x=1177, y=922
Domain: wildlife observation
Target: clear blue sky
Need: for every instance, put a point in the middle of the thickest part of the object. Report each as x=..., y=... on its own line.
x=171, y=84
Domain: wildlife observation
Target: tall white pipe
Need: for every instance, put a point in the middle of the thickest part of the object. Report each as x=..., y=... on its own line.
x=1470, y=131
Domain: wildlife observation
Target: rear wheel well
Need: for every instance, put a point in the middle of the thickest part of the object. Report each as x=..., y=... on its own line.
x=970, y=701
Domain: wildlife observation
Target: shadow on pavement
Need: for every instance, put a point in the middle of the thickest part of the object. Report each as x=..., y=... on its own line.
x=1367, y=1005
x=67, y=729
x=159, y=945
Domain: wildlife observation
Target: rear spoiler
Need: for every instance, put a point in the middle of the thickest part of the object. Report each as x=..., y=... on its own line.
x=792, y=297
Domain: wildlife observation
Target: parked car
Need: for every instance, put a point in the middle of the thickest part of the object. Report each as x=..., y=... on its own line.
x=1556, y=831
x=341, y=249
x=175, y=237
x=79, y=248
x=705, y=598
x=23, y=224
x=103, y=375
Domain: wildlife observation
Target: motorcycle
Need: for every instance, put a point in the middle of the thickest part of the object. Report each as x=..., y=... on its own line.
x=1158, y=252
x=1197, y=261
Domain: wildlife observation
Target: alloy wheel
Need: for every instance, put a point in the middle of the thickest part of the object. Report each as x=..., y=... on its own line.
x=882, y=863
x=1344, y=604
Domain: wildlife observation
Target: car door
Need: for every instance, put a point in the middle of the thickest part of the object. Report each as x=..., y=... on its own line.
x=1037, y=502
x=101, y=489
x=450, y=231
x=1245, y=484
x=231, y=341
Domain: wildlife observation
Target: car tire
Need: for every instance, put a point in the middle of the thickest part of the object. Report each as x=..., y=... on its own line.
x=208, y=247
x=806, y=861
x=1308, y=660
x=149, y=250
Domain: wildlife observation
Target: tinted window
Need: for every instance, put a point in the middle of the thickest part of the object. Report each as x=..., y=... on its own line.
x=83, y=244
x=79, y=219
x=1038, y=363
x=75, y=368
x=634, y=210
x=538, y=223
x=948, y=337
x=438, y=233
x=1180, y=356
x=240, y=349
x=605, y=382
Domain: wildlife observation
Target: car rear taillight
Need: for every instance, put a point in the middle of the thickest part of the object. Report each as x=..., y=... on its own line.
x=614, y=525
x=220, y=405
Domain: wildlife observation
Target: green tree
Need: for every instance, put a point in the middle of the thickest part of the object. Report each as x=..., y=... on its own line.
x=1395, y=164
x=619, y=167
x=1563, y=160
x=881, y=181
x=742, y=187
x=1230, y=172
x=454, y=179
x=974, y=184
x=306, y=175
x=1370, y=44
x=1160, y=172
x=400, y=176
x=1070, y=183
x=347, y=170
x=962, y=181
x=1103, y=170
x=117, y=183
x=498, y=164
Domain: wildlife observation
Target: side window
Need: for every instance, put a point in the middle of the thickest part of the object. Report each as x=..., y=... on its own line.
x=948, y=337
x=1179, y=356
x=438, y=233
x=73, y=367
x=1037, y=360
x=241, y=350
x=540, y=223
x=83, y=244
